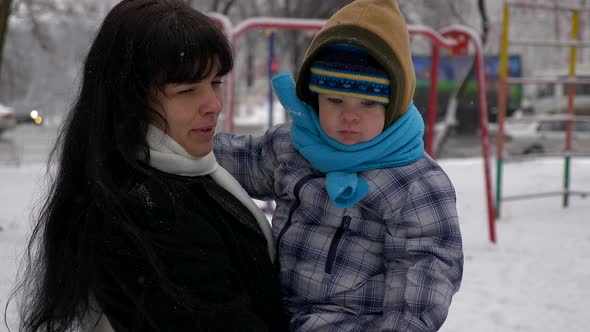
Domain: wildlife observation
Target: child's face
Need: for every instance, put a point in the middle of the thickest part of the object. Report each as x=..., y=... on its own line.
x=350, y=120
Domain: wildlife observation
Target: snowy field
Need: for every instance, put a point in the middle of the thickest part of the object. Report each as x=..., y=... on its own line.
x=536, y=278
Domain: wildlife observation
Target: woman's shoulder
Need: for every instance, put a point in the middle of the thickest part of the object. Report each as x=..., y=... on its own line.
x=155, y=200
x=151, y=189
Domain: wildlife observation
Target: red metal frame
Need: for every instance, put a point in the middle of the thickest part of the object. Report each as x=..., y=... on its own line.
x=432, y=100
x=450, y=38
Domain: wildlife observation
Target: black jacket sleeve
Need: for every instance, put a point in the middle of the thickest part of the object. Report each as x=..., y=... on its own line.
x=170, y=269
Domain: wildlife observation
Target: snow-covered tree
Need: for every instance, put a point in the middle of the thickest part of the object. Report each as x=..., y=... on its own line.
x=47, y=39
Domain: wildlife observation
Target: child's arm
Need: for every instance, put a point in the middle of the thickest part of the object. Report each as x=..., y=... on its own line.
x=250, y=159
x=423, y=257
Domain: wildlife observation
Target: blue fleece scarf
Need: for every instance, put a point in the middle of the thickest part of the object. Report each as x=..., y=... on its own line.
x=399, y=145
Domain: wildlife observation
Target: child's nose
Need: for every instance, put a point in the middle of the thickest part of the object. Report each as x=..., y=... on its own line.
x=350, y=114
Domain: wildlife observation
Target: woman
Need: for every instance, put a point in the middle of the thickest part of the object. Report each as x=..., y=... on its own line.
x=141, y=228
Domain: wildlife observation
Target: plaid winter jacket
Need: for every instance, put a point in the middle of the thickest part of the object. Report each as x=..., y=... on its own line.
x=392, y=262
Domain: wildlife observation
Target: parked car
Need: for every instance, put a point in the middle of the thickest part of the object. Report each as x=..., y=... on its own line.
x=7, y=119
x=545, y=135
x=33, y=116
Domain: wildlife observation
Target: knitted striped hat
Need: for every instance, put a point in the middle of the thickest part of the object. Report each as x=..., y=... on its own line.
x=347, y=70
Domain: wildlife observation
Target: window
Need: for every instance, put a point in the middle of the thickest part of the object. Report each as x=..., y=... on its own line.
x=551, y=126
x=581, y=127
x=546, y=90
x=583, y=89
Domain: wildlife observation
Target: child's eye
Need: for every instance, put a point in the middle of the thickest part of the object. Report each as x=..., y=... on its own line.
x=335, y=100
x=369, y=103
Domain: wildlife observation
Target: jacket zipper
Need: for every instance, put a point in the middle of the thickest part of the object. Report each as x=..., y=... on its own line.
x=334, y=245
x=296, y=190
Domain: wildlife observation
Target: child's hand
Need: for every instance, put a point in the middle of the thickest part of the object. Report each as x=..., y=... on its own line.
x=284, y=87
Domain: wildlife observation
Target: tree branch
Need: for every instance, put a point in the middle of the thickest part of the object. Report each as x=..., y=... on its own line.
x=4, y=16
x=455, y=11
x=37, y=31
x=227, y=7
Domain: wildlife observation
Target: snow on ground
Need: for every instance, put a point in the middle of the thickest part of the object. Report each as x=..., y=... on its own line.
x=534, y=279
x=19, y=194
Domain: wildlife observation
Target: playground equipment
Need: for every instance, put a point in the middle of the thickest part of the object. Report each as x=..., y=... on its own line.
x=456, y=38
x=574, y=43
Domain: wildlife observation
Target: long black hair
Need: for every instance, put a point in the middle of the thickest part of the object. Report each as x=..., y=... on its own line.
x=141, y=46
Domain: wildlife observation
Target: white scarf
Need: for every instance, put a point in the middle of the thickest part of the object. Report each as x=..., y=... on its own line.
x=168, y=156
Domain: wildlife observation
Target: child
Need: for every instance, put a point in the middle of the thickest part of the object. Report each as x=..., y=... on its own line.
x=366, y=229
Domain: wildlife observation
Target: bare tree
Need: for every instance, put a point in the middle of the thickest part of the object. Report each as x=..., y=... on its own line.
x=459, y=93
x=217, y=6
x=444, y=14
x=222, y=7
x=42, y=50
x=5, y=6
x=33, y=9
x=485, y=28
x=306, y=9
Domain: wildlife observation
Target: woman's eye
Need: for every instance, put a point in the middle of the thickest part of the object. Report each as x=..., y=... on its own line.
x=185, y=91
x=217, y=82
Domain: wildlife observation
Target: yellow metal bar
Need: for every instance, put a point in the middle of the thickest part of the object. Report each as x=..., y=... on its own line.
x=502, y=86
x=504, y=43
x=575, y=29
x=549, y=43
x=555, y=7
x=542, y=80
x=504, y=80
x=571, y=93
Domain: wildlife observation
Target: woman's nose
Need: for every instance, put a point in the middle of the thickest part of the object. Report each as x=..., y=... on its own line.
x=212, y=103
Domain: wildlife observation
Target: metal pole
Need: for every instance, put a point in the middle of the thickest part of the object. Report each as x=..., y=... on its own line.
x=262, y=22
x=571, y=92
x=483, y=126
x=271, y=73
x=502, y=85
x=227, y=123
x=432, y=99
x=436, y=38
x=483, y=121
x=549, y=7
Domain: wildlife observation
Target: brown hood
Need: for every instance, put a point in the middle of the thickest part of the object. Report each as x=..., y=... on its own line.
x=378, y=27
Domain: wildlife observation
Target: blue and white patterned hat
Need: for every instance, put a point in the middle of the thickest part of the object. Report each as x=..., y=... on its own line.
x=347, y=70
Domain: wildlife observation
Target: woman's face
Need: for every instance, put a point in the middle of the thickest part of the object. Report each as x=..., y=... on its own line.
x=191, y=111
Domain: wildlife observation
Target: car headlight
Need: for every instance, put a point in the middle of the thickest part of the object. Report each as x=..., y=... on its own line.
x=36, y=117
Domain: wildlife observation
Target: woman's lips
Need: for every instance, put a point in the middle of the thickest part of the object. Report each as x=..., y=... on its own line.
x=204, y=132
